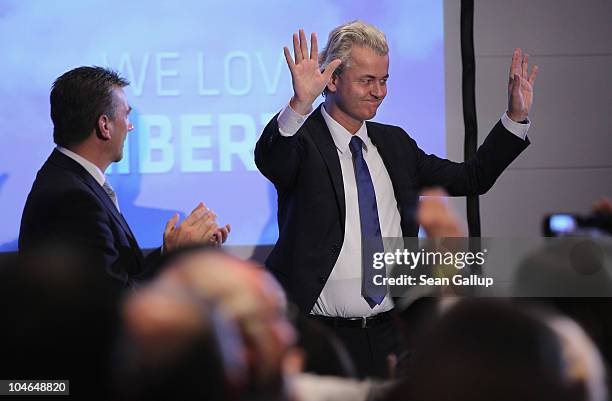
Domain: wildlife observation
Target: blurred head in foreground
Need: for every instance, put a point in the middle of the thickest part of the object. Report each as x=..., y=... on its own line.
x=62, y=316
x=174, y=348
x=491, y=350
x=245, y=295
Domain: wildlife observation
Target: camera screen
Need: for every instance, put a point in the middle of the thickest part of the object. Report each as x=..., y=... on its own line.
x=562, y=223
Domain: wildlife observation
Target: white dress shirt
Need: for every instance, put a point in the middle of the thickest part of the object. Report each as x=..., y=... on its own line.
x=91, y=168
x=95, y=172
x=341, y=295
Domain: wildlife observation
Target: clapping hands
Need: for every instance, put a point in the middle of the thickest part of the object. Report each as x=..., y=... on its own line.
x=200, y=227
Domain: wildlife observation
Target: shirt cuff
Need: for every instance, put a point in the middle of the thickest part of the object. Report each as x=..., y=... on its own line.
x=518, y=129
x=289, y=121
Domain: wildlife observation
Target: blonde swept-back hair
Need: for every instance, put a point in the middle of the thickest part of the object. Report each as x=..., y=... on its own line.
x=342, y=39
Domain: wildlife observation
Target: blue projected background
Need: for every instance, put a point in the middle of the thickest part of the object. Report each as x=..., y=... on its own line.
x=205, y=79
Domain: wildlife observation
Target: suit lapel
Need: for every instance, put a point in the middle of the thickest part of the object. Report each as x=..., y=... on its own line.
x=323, y=140
x=377, y=137
x=67, y=163
x=405, y=196
x=99, y=191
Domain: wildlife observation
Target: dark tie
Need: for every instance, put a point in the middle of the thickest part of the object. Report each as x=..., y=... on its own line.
x=371, y=239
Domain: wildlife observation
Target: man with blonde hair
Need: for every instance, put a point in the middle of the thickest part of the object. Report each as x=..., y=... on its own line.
x=344, y=183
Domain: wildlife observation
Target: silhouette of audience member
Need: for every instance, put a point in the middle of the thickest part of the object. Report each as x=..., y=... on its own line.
x=173, y=348
x=247, y=295
x=324, y=354
x=61, y=317
x=491, y=350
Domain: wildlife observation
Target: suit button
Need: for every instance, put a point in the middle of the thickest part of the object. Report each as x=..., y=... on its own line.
x=322, y=279
x=335, y=248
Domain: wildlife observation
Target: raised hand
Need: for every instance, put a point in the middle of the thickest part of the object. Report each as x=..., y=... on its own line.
x=520, y=86
x=308, y=80
x=436, y=217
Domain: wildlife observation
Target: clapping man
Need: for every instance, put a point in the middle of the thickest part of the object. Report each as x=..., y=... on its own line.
x=72, y=203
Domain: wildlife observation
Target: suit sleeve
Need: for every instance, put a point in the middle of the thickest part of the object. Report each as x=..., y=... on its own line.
x=153, y=262
x=278, y=157
x=475, y=176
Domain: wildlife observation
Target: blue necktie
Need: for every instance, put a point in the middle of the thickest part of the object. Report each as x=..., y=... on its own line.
x=371, y=238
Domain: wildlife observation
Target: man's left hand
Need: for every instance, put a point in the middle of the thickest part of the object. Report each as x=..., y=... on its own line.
x=520, y=87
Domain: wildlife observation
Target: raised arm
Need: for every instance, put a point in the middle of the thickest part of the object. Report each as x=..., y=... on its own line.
x=277, y=154
x=503, y=144
x=520, y=86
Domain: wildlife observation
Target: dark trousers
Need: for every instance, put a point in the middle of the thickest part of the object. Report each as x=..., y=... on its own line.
x=369, y=347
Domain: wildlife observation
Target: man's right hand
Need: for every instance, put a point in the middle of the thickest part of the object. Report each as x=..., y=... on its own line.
x=198, y=228
x=308, y=80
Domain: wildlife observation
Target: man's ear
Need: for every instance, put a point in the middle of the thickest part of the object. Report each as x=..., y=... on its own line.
x=331, y=85
x=103, y=127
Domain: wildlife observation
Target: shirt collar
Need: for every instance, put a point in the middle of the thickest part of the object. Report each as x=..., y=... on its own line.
x=91, y=168
x=341, y=136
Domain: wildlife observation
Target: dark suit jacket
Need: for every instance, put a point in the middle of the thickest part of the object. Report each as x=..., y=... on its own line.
x=305, y=169
x=67, y=205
